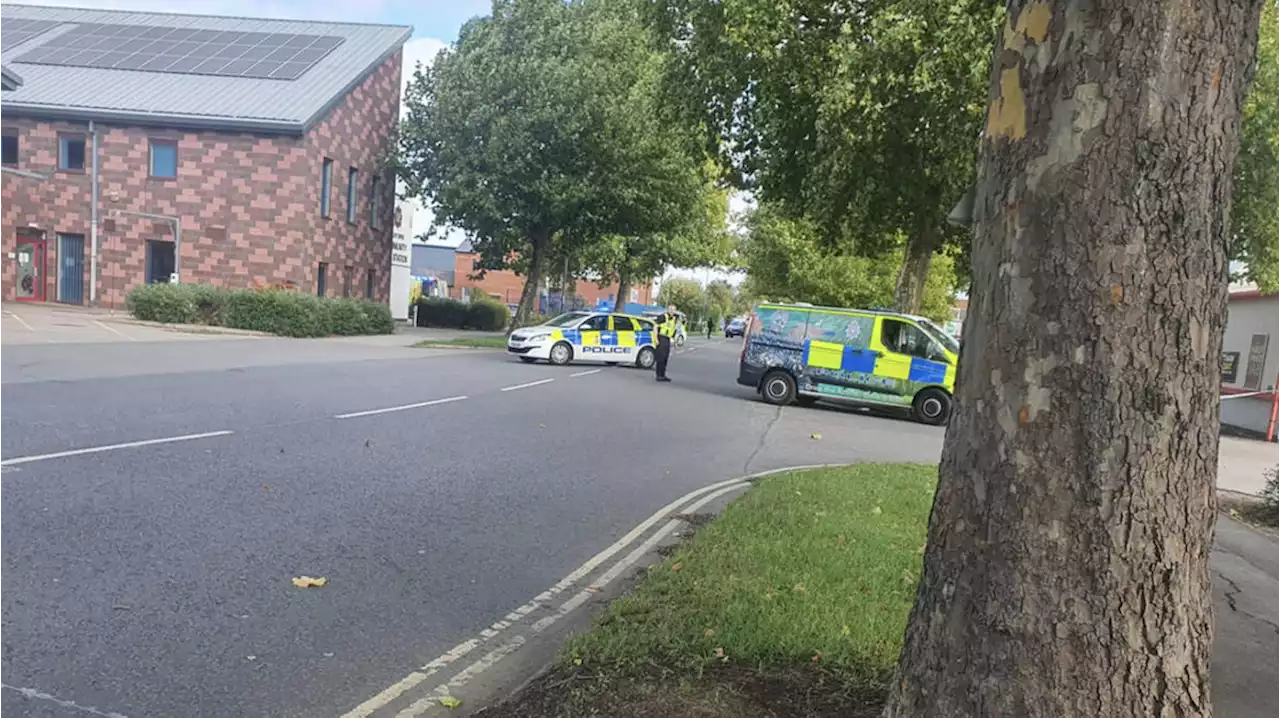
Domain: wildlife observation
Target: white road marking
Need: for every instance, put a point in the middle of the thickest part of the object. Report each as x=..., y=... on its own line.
x=398, y=688
x=34, y=694
x=526, y=386
x=484, y=663
x=403, y=407
x=112, y=447
x=21, y=321
x=587, y=372
x=113, y=330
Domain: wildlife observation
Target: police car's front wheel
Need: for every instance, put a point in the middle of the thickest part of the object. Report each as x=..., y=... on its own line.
x=561, y=353
x=778, y=388
x=646, y=358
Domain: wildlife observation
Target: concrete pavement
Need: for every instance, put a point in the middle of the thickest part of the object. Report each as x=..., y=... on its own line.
x=153, y=579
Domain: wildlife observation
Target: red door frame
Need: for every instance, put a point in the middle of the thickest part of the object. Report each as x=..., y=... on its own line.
x=41, y=263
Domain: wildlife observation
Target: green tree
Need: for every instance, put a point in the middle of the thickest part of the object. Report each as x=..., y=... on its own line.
x=536, y=135
x=685, y=294
x=719, y=299
x=862, y=118
x=787, y=261
x=1254, y=232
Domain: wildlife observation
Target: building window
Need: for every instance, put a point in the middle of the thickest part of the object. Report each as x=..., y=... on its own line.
x=71, y=153
x=352, y=174
x=10, y=149
x=326, y=187
x=375, y=202
x=368, y=283
x=321, y=271
x=347, y=273
x=164, y=159
x=160, y=261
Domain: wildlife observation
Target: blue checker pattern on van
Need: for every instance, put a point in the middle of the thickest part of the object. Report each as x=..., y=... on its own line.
x=643, y=338
x=862, y=361
x=927, y=372
x=608, y=339
x=573, y=336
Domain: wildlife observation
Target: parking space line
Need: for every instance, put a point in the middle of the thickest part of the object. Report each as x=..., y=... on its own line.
x=586, y=373
x=113, y=330
x=33, y=694
x=21, y=321
x=526, y=386
x=112, y=447
x=403, y=407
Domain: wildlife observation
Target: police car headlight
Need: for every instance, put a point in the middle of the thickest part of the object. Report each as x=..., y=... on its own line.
x=536, y=337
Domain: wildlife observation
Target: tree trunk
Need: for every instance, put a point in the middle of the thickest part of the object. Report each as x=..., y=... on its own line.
x=529, y=295
x=908, y=296
x=624, y=287
x=1066, y=571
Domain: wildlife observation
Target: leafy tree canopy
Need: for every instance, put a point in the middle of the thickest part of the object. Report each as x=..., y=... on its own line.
x=1255, y=235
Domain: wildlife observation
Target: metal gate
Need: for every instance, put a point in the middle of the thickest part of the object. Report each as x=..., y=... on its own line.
x=71, y=268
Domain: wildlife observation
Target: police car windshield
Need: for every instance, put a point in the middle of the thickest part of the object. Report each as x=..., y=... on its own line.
x=940, y=336
x=565, y=320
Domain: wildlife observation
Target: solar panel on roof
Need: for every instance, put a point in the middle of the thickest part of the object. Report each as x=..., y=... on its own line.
x=223, y=53
x=18, y=30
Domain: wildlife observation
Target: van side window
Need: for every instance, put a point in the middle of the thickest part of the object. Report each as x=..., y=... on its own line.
x=622, y=324
x=903, y=338
x=851, y=330
x=783, y=323
x=598, y=323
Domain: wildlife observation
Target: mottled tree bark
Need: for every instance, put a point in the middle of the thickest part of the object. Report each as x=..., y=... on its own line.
x=1066, y=572
x=908, y=295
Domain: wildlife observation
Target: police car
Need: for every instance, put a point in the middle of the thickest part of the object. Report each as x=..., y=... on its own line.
x=598, y=337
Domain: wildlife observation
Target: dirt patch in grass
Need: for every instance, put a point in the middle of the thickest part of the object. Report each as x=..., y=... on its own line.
x=727, y=692
x=464, y=343
x=792, y=603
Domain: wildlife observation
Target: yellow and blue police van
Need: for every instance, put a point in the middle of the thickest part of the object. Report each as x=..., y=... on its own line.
x=599, y=337
x=803, y=354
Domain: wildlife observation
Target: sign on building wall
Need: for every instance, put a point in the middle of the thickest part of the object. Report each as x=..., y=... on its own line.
x=1230, y=367
x=1257, y=362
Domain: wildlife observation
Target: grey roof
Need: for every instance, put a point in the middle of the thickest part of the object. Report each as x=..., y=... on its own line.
x=465, y=247
x=198, y=101
x=9, y=79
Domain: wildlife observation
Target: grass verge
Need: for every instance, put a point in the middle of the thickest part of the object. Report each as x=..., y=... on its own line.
x=465, y=342
x=793, y=602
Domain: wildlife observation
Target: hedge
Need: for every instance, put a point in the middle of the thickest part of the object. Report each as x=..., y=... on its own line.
x=483, y=314
x=277, y=311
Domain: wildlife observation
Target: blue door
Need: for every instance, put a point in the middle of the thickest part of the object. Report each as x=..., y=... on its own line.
x=71, y=268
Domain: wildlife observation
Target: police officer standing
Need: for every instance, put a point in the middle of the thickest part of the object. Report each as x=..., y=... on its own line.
x=666, y=333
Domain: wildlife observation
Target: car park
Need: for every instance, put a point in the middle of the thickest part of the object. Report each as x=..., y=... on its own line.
x=803, y=354
x=593, y=337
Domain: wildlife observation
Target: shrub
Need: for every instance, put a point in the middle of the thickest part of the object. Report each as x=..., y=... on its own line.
x=488, y=315
x=285, y=313
x=441, y=312
x=277, y=310
x=177, y=303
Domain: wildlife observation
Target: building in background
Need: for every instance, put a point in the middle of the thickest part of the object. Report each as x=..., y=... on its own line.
x=1249, y=364
x=228, y=151
x=505, y=286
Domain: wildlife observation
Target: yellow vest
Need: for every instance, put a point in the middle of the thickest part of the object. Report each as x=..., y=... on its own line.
x=667, y=328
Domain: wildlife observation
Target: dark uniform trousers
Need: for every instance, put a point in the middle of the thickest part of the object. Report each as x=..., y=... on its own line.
x=664, y=352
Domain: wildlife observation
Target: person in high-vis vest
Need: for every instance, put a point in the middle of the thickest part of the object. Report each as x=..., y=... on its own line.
x=667, y=324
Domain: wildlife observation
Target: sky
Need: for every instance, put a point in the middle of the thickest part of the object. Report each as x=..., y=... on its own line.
x=435, y=26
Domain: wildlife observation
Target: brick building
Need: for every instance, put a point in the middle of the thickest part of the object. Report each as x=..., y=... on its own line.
x=506, y=285
x=228, y=151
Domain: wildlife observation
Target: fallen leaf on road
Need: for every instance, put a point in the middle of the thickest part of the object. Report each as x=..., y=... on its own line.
x=815, y=437
x=542, y=426
x=368, y=443
x=251, y=658
x=816, y=657
x=308, y=581
x=450, y=702
x=677, y=566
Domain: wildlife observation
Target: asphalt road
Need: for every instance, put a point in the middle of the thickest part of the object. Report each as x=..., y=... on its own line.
x=154, y=580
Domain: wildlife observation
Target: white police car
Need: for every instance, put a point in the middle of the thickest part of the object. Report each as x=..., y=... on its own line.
x=587, y=337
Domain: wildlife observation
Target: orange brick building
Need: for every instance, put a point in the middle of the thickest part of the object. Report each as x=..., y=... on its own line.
x=506, y=285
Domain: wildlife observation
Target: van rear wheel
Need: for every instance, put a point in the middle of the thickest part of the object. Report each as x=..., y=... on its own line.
x=778, y=388
x=932, y=406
